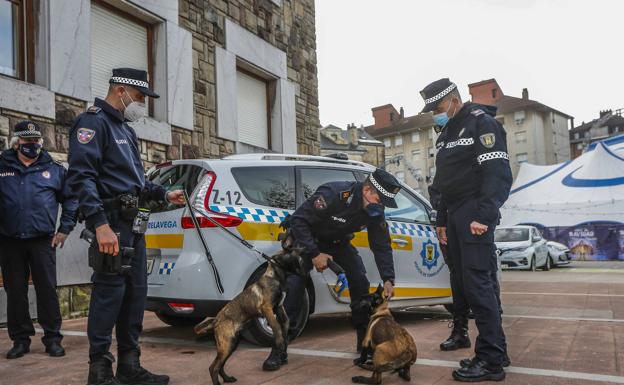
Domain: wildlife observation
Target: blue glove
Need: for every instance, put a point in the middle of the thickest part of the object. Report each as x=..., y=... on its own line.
x=341, y=284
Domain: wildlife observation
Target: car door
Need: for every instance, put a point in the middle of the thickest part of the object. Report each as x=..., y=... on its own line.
x=540, y=247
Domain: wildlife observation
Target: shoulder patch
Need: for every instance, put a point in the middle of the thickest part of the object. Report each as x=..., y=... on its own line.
x=320, y=203
x=477, y=112
x=94, y=109
x=344, y=195
x=488, y=140
x=85, y=135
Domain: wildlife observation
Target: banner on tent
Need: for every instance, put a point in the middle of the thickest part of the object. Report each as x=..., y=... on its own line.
x=590, y=242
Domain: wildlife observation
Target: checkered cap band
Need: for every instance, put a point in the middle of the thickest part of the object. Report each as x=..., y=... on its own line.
x=441, y=94
x=132, y=82
x=27, y=132
x=379, y=188
x=492, y=155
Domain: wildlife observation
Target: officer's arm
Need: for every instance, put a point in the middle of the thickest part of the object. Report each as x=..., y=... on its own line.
x=69, y=204
x=438, y=204
x=154, y=192
x=493, y=161
x=379, y=240
x=312, y=212
x=85, y=157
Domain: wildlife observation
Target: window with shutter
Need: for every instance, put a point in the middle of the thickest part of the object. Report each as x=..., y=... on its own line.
x=117, y=40
x=252, y=110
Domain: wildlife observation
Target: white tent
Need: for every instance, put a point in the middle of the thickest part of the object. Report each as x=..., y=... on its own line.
x=587, y=189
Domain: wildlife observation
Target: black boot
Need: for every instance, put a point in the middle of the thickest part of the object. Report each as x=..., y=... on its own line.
x=478, y=371
x=276, y=359
x=459, y=335
x=18, y=350
x=101, y=370
x=130, y=371
x=466, y=362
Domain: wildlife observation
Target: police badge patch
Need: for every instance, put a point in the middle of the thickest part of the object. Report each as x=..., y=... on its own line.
x=320, y=203
x=46, y=174
x=488, y=140
x=85, y=135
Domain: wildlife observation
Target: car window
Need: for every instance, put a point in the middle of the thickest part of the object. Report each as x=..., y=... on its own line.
x=267, y=186
x=511, y=235
x=176, y=177
x=409, y=209
x=312, y=178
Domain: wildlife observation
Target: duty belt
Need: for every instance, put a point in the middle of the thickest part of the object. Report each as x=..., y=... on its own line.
x=123, y=202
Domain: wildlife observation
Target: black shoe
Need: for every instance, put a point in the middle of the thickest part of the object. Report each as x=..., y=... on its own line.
x=101, y=370
x=459, y=335
x=275, y=360
x=55, y=350
x=130, y=371
x=466, y=362
x=18, y=350
x=478, y=371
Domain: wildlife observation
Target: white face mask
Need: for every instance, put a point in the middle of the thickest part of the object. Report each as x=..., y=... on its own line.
x=135, y=110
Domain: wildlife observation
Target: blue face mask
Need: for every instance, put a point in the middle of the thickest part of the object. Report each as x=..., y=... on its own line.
x=442, y=119
x=30, y=150
x=375, y=210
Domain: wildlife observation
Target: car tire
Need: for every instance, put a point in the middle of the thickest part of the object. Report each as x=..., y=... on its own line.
x=548, y=263
x=532, y=266
x=178, y=321
x=259, y=333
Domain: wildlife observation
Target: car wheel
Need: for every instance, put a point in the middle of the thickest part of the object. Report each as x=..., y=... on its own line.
x=258, y=330
x=532, y=266
x=548, y=263
x=178, y=321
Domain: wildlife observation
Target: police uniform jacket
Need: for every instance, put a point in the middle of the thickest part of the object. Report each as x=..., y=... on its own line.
x=472, y=163
x=30, y=197
x=105, y=162
x=333, y=213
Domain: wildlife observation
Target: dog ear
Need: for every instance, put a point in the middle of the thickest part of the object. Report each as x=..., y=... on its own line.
x=379, y=289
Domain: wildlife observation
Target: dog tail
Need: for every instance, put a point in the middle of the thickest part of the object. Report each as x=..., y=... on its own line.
x=205, y=326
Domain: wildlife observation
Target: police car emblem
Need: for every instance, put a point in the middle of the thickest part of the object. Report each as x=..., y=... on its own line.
x=429, y=254
x=46, y=174
x=488, y=140
x=85, y=135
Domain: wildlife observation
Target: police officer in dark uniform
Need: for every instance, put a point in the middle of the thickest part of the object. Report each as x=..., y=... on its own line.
x=459, y=335
x=474, y=179
x=324, y=225
x=32, y=185
x=106, y=173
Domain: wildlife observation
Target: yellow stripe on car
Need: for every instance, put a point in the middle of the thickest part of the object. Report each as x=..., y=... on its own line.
x=164, y=241
x=409, y=292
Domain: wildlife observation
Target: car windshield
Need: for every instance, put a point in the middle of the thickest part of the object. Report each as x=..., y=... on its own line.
x=511, y=235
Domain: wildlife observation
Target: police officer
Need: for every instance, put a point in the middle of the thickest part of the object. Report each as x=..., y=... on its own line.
x=324, y=225
x=106, y=173
x=459, y=335
x=32, y=185
x=474, y=180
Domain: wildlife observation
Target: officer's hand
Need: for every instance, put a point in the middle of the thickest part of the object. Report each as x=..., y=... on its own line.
x=320, y=261
x=59, y=240
x=388, y=289
x=441, y=235
x=477, y=228
x=176, y=197
x=107, y=240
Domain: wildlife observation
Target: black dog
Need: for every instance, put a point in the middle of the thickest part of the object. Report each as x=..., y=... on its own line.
x=262, y=299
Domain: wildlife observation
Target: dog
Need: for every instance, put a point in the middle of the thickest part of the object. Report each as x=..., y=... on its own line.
x=391, y=346
x=263, y=298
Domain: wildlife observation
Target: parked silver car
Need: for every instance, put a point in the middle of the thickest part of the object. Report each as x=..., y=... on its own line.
x=558, y=253
x=522, y=247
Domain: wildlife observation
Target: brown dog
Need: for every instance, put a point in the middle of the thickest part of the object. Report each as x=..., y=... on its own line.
x=262, y=299
x=392, y=347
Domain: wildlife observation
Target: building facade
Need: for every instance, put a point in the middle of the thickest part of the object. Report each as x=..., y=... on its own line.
x=409, y=145
x=354, y=142
x=234, y=76
x=609, y=123
x=536, y=133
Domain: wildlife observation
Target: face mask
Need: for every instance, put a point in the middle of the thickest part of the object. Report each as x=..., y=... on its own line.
x=375, y=210
x=30, y=150
x=442, y=119
x=134, y=111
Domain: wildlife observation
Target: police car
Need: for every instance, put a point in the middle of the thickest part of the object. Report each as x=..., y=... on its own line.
x=249, y=195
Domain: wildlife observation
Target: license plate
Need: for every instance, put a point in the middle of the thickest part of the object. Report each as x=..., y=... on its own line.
x=505, y=264
x=150, y=265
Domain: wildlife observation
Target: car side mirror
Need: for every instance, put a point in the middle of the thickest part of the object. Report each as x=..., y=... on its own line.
x=537, y=239
x=433, y=216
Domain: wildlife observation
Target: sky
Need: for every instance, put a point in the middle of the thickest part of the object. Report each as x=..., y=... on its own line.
x=568, y=53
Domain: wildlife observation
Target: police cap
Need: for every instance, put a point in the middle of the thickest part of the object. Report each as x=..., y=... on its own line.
x=27, y=129
x=435, y=92
x=386, y=185
x=133, y=77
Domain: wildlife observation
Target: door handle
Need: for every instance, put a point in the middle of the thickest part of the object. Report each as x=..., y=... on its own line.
x=400, y=241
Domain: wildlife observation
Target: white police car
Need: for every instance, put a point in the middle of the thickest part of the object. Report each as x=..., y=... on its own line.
x=250, y=195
